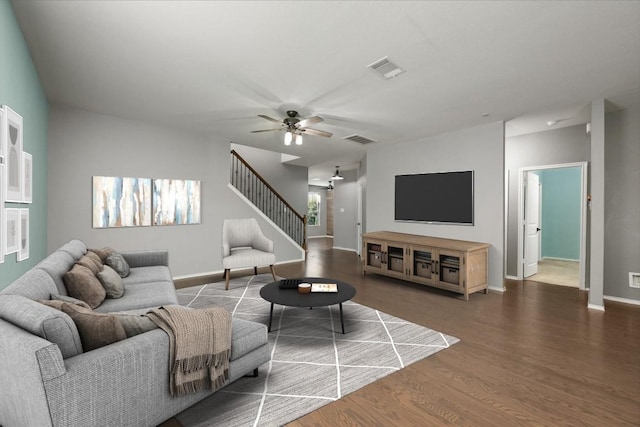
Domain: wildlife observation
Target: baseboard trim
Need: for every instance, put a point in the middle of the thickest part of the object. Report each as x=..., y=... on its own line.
x=345, y=249
x=622, y=300
x=320, y=237
x=595, y=307
x=203, y=278
x=511, y=277
x=559, y=259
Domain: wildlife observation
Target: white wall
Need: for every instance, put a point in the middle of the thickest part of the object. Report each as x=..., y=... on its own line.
x=83, y=144
x=480, y=149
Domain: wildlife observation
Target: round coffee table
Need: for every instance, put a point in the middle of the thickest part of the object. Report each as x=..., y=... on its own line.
x=292, y=298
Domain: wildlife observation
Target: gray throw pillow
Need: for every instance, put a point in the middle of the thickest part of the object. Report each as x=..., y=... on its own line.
x=112, y=282
x=118, y=263
x=83, y=285
x=135, y=324
x=96, y=329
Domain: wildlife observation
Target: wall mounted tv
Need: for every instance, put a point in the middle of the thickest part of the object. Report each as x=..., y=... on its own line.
x=443, y=197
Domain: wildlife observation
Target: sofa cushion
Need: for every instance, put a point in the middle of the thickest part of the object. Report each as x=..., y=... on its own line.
x=154, y=273
x=143, y=295
x=91, y=264
x=76, y=248
x=111, y=282
x=35, y=284
x=82, y=284
x=45, y=322
x=96, y=329
x=118, y=263
x=246, y=336
x=56, y=265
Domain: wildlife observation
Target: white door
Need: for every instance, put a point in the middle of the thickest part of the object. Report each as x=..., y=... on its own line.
x=532, y=224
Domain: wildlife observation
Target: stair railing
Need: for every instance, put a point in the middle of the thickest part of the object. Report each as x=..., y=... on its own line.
x=255, y=188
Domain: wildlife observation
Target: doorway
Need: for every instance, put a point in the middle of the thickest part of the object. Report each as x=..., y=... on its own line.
x=329, y=198
x=552, y=211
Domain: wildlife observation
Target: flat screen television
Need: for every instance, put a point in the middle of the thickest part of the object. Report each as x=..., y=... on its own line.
x=443, y=197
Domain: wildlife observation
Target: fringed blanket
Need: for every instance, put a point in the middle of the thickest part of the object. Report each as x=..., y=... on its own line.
x=199, y=346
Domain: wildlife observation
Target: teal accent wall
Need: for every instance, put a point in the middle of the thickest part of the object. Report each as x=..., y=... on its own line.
x=21, y=90
x=561, y=213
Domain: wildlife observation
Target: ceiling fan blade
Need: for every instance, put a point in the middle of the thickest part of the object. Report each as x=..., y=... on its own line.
x=309, y=121
x=316, y=132
x=264, y=130
x=271, y=119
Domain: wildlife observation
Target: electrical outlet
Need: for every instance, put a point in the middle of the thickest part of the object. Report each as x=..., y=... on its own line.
x=634, y=280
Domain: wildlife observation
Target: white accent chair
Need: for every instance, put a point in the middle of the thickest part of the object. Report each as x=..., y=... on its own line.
x=243, y=246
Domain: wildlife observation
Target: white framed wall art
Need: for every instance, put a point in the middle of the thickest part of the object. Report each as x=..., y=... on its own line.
x=12, y=147
x=24, y=237
x=27, y=178
x=12, y=230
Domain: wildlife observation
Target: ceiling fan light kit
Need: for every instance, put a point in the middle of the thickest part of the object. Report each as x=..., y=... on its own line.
x=294, y=127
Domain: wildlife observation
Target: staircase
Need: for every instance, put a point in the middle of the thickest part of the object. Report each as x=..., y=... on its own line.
x=254, y=187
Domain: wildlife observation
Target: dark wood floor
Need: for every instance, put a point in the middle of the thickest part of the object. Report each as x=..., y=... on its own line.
x=534, y=355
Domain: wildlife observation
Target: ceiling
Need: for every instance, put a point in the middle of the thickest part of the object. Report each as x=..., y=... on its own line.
x=213, y=66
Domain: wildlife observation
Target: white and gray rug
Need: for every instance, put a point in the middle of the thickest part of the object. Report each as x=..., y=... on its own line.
x=312, y=362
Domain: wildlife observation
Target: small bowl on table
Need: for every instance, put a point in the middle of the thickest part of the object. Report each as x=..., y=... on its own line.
x=304, y=288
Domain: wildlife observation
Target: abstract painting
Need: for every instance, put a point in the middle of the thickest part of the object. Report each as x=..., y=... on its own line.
x=121, y=202
x=12, y=149
x=12, y=230
x=176, y=201
x=23, y=247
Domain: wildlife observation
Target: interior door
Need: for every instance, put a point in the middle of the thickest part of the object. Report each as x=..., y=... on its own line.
x=532, y=224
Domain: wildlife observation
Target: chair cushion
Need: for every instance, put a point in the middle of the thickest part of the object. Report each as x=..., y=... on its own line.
x=243, y=258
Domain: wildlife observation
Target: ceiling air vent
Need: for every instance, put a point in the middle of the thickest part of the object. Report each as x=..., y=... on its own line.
x=359, y=139
x=386, y=68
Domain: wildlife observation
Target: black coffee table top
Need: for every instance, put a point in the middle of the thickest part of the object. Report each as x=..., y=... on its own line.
x=291, y=297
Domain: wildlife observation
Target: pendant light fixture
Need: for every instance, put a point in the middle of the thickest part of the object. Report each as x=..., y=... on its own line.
x=330, y=186
x=337, y=174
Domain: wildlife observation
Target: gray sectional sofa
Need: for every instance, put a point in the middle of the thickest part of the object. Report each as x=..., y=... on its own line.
x=47, y=379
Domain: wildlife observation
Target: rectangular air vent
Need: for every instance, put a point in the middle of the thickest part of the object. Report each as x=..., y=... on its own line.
x=386, y=68
x=359, y=139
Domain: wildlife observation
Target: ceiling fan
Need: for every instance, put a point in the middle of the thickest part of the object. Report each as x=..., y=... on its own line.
x=295, y=127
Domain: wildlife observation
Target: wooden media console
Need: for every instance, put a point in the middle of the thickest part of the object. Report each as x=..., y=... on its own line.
x=454, y=265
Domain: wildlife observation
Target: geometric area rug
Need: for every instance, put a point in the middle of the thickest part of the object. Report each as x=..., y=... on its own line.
x=311, y=364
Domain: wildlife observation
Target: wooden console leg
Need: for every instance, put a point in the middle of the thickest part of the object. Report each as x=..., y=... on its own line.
x=255, y=270
x=227, y=273
x=273, y=272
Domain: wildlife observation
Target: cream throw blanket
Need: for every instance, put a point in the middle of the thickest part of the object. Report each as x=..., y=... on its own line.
x=199, y=346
